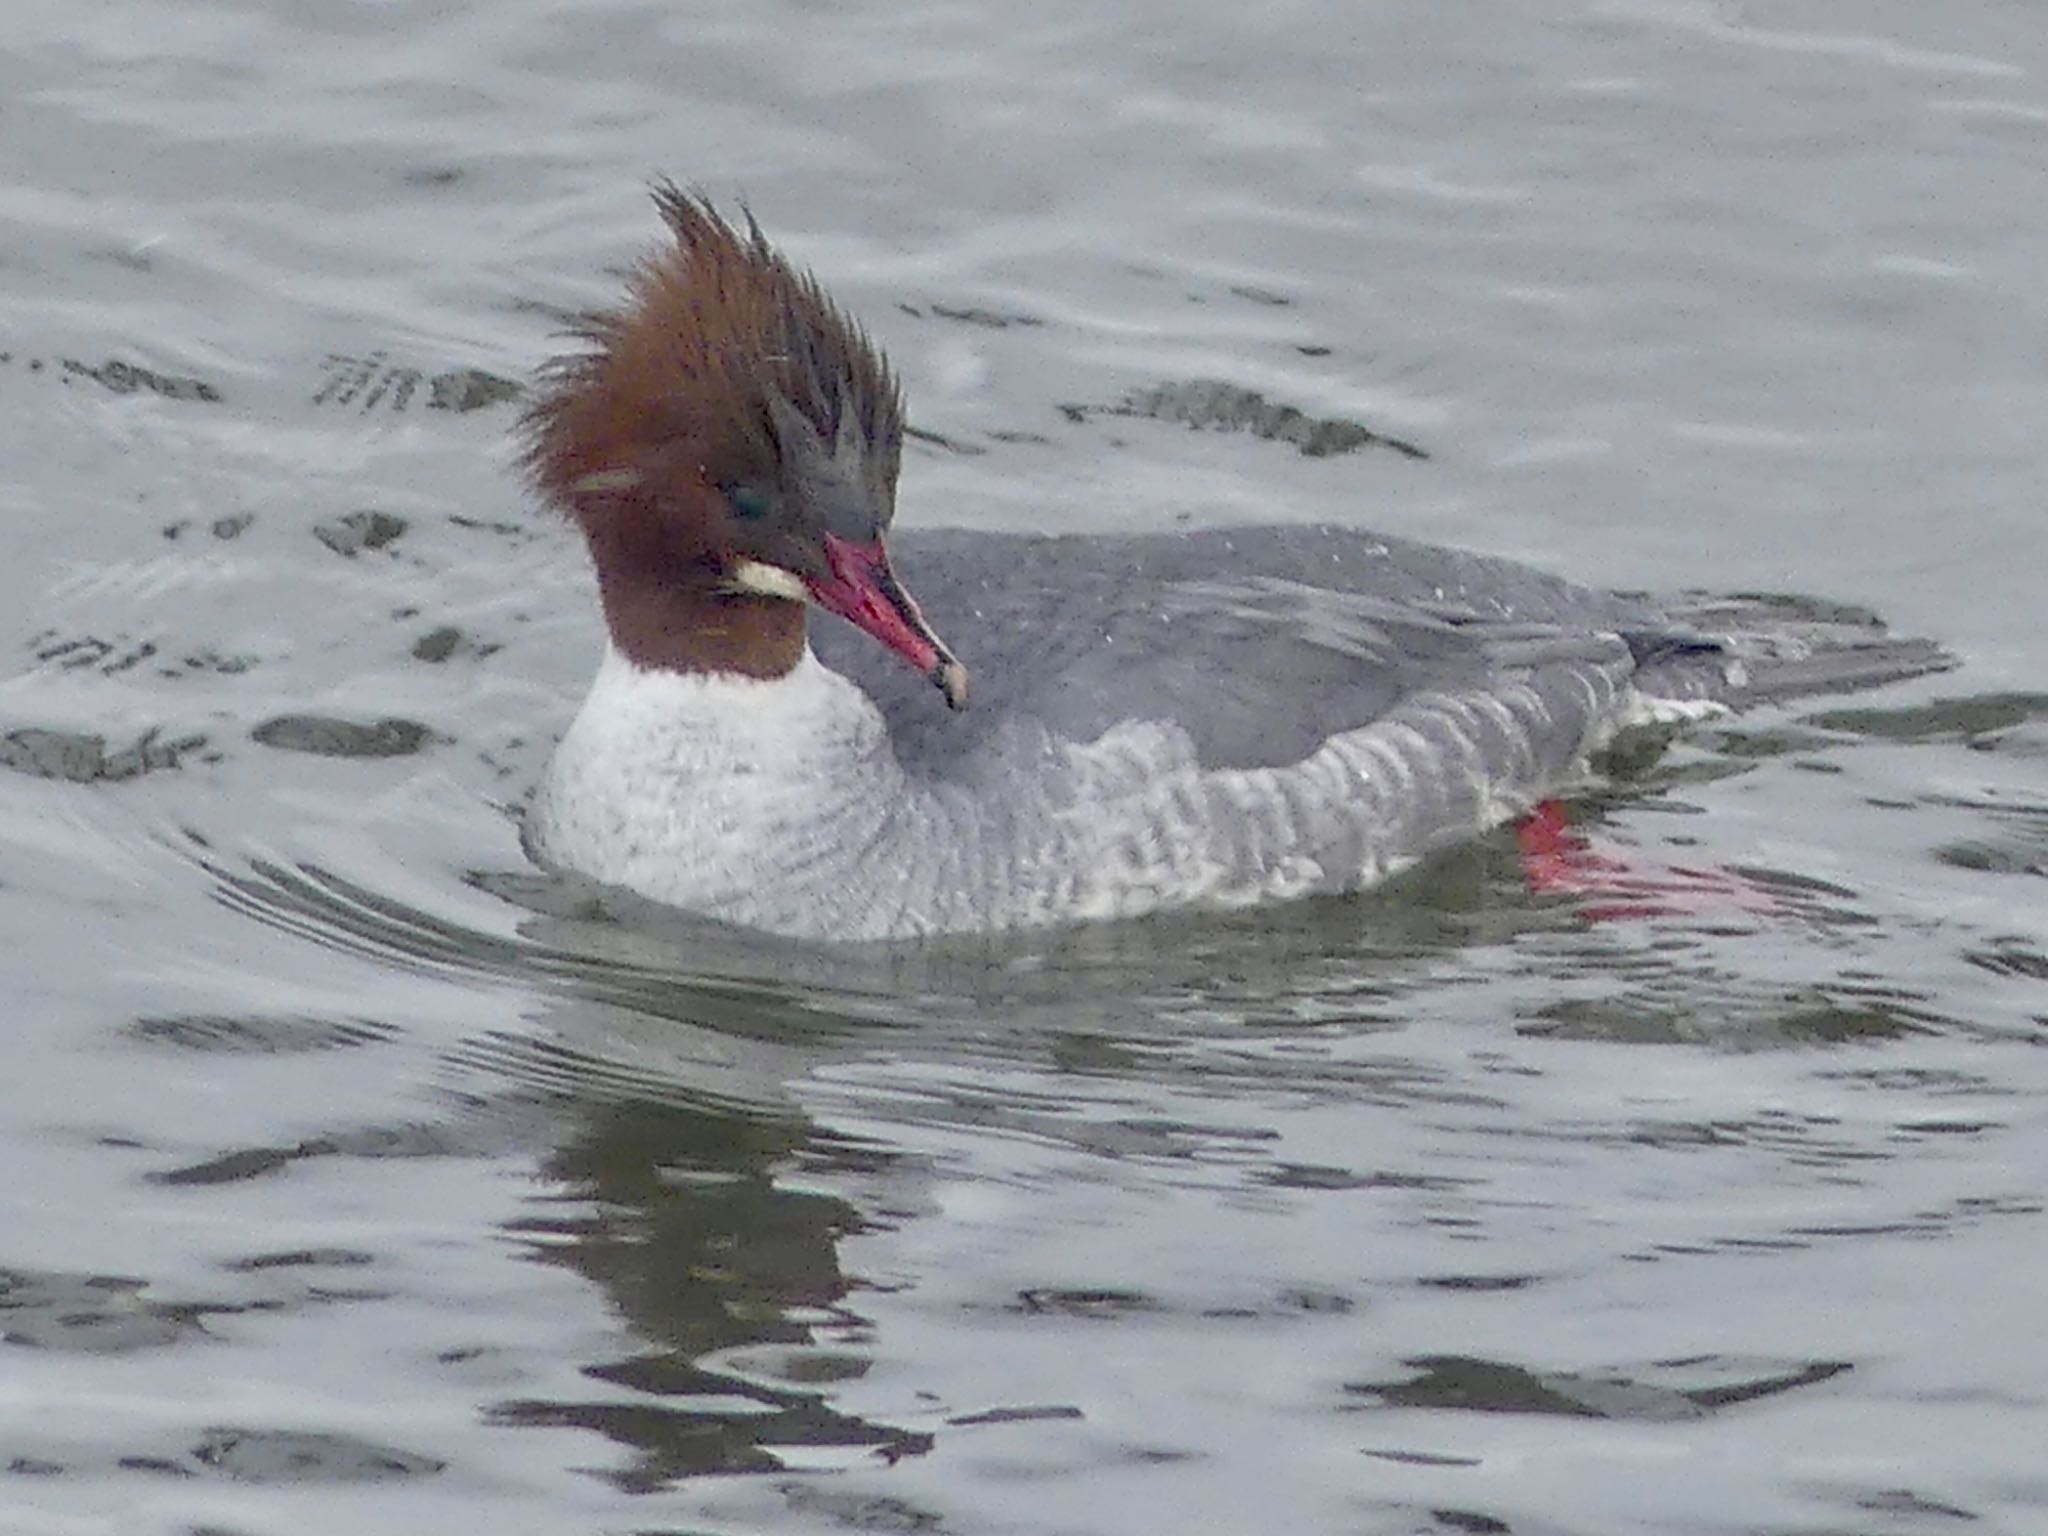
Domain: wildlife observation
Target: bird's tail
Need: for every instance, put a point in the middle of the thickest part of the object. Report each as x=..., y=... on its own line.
x=1751, y=649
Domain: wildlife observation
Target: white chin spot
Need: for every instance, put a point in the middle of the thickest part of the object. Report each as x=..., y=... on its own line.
x=603, y=482
x=769, y=581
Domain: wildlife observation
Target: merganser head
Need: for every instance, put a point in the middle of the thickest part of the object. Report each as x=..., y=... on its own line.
x=729, y=445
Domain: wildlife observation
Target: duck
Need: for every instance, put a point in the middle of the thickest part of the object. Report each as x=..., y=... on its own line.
x=778, y=738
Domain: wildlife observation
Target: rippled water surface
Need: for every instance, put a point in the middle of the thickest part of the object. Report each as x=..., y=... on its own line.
x=362, y=1178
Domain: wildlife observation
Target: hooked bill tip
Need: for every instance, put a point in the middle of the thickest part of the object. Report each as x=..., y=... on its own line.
x=951, y=679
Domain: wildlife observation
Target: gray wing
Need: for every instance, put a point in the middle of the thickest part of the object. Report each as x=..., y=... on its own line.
x=1261, y=643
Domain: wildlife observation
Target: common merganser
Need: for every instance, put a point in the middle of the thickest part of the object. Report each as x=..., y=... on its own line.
x=1206, y=719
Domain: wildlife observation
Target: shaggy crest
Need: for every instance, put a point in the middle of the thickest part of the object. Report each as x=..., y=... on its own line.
x=720, y=353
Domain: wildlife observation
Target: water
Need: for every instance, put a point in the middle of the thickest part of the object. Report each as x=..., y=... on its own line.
x=362, y=1178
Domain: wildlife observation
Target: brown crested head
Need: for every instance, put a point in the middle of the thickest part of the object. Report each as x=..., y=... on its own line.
x=728, y=441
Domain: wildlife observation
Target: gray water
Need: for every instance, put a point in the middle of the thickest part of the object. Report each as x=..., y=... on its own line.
x=362, y=1178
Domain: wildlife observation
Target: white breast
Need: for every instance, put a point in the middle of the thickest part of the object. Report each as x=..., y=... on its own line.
x=701, y=790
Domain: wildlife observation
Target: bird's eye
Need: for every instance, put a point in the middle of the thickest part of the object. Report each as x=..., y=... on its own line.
x=747, y=503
